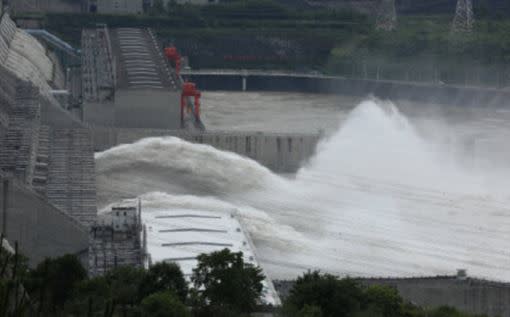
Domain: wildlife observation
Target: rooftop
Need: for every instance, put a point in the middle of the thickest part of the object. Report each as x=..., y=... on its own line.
x=180, y=236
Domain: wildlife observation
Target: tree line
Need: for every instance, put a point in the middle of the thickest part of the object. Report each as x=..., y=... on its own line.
x=222, y=285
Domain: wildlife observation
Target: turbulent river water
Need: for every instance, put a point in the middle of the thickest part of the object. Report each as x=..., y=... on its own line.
x=393, y=190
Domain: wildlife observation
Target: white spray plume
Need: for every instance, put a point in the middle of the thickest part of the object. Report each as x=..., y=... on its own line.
x=376, y=199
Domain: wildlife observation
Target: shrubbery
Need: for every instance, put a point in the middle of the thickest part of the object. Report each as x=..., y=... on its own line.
x=324, y=295
x=225, y=285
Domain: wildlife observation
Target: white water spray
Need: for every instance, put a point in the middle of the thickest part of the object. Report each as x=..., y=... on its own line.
x=377, y=199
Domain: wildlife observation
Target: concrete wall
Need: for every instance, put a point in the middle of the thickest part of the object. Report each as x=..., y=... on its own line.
x=40, y=229
x=283, y=153
x=466, y=294
x=469, y=295
x=99, y=113
x=45, y=153
x=131, y=109
x=144, y=108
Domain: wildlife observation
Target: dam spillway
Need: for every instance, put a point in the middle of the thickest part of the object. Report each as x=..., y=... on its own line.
x=373, y=197
x=341, y=212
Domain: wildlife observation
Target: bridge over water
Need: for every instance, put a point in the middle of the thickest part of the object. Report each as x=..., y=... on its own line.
x=266, y=80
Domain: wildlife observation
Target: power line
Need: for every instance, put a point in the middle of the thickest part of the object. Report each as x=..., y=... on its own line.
x=386, y=16
x=463, y=20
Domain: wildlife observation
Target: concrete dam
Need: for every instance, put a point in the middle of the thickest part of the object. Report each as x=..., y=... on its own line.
x=366, y=203
x=116, y=94
x=47, y=166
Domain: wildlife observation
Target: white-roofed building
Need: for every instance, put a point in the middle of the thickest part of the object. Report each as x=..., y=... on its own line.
x=181, y=235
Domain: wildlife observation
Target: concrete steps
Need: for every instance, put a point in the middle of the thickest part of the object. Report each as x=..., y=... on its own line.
x=71, y=181
x=21, y=137
x=41, y=168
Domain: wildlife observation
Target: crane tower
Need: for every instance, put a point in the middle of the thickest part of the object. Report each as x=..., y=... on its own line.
x=463, y=20
x=386, y=16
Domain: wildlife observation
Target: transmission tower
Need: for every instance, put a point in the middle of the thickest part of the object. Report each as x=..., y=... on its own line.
x=386, y=16
x=463, y=20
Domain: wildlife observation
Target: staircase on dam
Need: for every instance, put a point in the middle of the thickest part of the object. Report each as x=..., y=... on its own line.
x=98, y=73
x=140, y=63
x=71, y=178
x=142, y=91
x=20, y=147
x=41, y=168
x=28, y=165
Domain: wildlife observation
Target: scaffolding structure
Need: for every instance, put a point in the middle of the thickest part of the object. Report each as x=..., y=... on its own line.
x=464, y=19
x=386, y=16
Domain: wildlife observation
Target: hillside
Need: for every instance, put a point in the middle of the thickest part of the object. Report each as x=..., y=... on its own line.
x=419, y=7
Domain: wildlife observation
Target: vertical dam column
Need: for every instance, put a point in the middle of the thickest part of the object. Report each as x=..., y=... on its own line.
x=244, y=83
x=5, y=205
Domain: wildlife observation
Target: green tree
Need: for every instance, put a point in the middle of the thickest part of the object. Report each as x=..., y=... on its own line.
x=157, y=8
x=335, y=297
x=224, y=282
x=385, y=299
x=13, y=270
x=164, y=277
x=53, y=281
x=163, y=304
x=446, y=311
x=124, y=283
x=92, y=296
x=310, y=311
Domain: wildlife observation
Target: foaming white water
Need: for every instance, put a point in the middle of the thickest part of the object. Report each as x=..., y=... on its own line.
x=377, y=199
x=379, y=144
x=258, y=222
x=173, y=165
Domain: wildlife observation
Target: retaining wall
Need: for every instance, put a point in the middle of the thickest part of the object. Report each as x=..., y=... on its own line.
x=283, y=153
x=41, y=229
x=470, y=295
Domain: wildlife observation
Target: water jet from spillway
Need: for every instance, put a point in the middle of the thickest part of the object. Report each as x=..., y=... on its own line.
x=376, y=199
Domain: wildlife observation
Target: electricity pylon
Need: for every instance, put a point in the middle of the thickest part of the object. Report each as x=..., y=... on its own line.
x=386, y=16
x=463, y=20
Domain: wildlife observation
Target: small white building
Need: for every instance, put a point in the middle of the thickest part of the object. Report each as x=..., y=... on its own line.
x=117, y=238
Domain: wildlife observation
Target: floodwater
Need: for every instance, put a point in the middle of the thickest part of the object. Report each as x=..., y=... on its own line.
x=395, y=189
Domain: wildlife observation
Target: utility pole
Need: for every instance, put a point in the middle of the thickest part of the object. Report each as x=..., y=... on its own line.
x=5, y=206
x=386, y=19
x=464, y=19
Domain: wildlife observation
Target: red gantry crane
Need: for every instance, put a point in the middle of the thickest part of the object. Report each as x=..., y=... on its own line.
x=173, y=55
x=190, y=90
